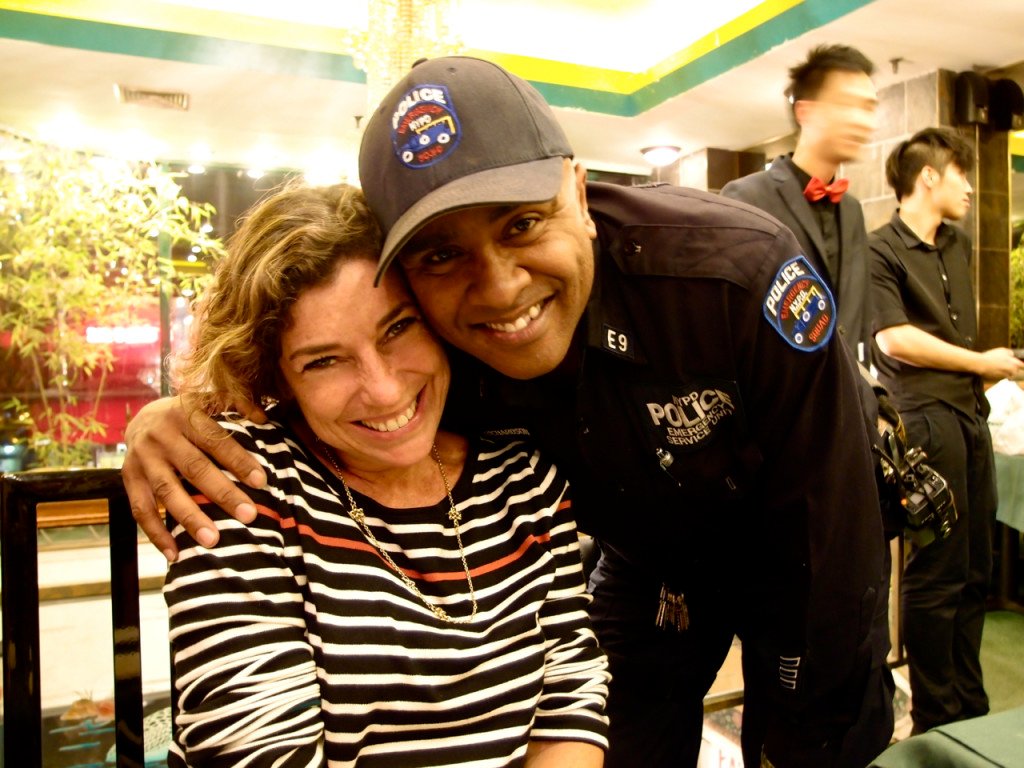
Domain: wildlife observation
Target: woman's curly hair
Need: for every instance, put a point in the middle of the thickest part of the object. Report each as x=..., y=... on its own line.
x=292, y=240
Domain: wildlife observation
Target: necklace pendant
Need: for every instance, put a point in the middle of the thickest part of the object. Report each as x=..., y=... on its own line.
x=359, y=517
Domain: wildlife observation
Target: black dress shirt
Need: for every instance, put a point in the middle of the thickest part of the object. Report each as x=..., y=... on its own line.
x=929, y=287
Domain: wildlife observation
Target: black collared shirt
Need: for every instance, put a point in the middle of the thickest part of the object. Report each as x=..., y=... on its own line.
x=826, y=213
x=929, y=287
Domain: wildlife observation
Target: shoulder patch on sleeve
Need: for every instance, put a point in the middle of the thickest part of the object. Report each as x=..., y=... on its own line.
x=800, y=306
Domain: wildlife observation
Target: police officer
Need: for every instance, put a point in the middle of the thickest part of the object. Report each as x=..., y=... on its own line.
x=674, y=351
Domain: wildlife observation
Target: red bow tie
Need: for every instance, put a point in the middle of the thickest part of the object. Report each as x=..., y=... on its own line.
x=817, y=189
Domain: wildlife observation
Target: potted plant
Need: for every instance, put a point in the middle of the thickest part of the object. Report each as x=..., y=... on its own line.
x=1017, y=295
x=85, y=243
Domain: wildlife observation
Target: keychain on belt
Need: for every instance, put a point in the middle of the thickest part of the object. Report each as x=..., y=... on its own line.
x=672, y=610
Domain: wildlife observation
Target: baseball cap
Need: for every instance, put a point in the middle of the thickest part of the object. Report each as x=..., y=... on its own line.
x=456, y=132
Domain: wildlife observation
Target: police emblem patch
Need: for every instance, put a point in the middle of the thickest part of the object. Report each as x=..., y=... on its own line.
x=688, y=416
x=800, y=306
x=424, y=126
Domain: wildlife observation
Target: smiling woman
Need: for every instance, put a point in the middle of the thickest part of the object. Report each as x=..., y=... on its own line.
x=405, y=593
x=365, y=372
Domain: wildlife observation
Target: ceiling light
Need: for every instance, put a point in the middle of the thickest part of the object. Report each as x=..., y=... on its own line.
x=325, y=166
x=199, y=156
x=134, y=145
x=398, y=33
x=64, y=129
x=661, y=155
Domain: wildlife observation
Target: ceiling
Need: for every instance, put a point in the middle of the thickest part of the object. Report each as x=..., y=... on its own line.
x=266, y=91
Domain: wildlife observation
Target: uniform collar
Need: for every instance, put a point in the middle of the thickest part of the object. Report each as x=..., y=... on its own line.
x=608, y=327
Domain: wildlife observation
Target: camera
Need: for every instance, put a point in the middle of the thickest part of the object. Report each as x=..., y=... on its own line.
x=925, y=499
x=931, y=511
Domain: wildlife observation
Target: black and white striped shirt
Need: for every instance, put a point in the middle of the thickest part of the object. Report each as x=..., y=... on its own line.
x=295, y=644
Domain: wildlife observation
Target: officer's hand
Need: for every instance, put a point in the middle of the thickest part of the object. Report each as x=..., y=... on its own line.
x=999, y=363
x=169, y=436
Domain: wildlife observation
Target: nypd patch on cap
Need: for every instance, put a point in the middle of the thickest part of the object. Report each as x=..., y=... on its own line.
x=457, y=132
x=426, y=128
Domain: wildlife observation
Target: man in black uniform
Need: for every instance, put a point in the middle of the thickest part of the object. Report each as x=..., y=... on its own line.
x=675, y=353
x=926, y=326
x=834, y=102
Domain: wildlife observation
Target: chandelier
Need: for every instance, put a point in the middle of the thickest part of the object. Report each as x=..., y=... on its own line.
x=400, y=32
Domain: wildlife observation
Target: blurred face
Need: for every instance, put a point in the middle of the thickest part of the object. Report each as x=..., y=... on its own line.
x=368, y=375
x=842, y=118
x=508, y=284
x=951, y=191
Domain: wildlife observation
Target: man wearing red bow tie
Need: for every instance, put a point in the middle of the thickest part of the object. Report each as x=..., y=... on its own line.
x=834, y=104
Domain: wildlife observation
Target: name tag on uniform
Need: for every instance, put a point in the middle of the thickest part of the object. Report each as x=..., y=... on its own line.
x=617, y=342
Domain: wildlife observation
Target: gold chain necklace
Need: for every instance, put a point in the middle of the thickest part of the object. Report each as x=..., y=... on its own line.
x=359, y=518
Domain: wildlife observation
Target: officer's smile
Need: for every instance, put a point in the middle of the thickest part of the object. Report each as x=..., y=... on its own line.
x=509, y=285
x=519, y=323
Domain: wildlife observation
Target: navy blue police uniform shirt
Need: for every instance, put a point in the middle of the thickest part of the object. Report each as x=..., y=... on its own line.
x=710, y=424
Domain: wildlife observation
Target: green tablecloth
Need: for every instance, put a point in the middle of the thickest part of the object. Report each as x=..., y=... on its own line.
x=1010, y=478
x=984, y=742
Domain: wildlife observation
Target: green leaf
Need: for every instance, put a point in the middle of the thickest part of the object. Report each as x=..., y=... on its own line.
x=77, y=244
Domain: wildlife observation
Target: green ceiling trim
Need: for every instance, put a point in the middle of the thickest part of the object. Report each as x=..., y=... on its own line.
x=571, y=97
x=789, y=24
x=175, y=46
x=200, y=49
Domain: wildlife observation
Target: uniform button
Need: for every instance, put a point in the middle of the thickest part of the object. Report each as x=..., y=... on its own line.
x=945, y=279
x=842, y=330
x=955, y=315
x=633, y=248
